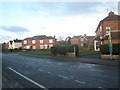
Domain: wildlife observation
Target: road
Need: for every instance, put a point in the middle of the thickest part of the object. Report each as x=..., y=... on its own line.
x=30, y=72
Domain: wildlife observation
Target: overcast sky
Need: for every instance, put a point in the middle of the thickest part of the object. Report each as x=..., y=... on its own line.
x=26, y=19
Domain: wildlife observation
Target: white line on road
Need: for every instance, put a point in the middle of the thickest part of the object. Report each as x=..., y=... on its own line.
x=49, y=72
x=30, y=80
x=63, y=76
x=79, y=81
x=40, y=70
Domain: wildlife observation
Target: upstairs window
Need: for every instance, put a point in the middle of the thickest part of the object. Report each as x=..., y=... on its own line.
x=50, y=41
x=33, y=41
x=41, y=41
x=82, y=39
x=25, y=42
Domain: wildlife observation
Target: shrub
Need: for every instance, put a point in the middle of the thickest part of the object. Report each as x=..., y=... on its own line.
x=104, y=49
x=62, y=50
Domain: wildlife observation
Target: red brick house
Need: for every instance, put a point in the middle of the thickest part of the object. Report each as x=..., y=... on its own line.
x=38, y=42
x=112, y=21
x=82, y=41
x=5, y=45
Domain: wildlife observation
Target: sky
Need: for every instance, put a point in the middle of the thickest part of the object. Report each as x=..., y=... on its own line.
x=62, y=19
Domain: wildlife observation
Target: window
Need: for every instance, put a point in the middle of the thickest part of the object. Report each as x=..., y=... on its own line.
x=46, y=46
x=82, y=39
x=41, y=41
x=41, y=47
x=81, y=44
x=25, y=42
x=50, y=45
x=50, y=41
x=33, y=41
x=34, y=47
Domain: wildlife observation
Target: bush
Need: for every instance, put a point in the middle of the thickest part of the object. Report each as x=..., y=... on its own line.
x=104, y=49
x=63, y=50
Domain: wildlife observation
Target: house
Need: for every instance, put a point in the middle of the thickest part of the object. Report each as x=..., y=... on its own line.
x=5, y=45
x=82, y=41
x=111, y=23
x=38, y=42
x=15, y=44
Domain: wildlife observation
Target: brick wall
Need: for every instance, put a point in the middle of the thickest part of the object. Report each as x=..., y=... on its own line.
x=37, y=43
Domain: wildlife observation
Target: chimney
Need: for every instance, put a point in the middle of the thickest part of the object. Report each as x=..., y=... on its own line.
x=111, y=13
x=85, y=35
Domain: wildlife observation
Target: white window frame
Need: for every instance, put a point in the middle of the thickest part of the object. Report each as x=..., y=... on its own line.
x=82, y=39
x=41, y=41
x=41, y=46
x=50, y=41
x=34, y=47
x=33, y=41
x=50, y=45
x=25, y=41
x=82, y=44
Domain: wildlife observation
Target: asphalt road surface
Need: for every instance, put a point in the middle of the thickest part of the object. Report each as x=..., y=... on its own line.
x=30, y=72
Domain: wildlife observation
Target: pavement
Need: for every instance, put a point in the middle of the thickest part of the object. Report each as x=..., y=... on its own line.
x=31, y=72
x=91, y=58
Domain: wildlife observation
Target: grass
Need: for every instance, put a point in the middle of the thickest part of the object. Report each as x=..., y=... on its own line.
x=32, y=52
x=39, y=52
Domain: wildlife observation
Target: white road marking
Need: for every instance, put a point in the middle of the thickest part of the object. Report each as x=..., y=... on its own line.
x=40, y=70
x=30, y=80
x=79, y=81
x=49, y=72
x=63, y=76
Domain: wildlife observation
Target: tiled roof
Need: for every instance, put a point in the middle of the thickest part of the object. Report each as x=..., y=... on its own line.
x=89, y=38
x=39, y=37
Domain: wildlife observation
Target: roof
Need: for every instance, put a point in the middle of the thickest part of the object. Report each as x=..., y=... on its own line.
x=90, y=38
x=77, y=36
x=39, y=37
x=111, y=17
x=10, y=42
x=17, y=40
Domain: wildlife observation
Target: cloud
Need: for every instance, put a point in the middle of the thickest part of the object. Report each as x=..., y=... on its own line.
x=5, y=38
x=60, y=8
x=15, y=29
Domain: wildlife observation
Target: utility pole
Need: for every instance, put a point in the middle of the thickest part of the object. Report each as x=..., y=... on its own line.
x=74, y=51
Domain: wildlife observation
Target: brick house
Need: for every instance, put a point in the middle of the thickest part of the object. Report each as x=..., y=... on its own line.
x=112, y=21
x=82, y=41
x=38, y=42
x=5, y=45
x=15, y=44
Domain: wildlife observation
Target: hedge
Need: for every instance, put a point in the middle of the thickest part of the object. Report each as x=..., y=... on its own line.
x=104, y=49
x=63, y=50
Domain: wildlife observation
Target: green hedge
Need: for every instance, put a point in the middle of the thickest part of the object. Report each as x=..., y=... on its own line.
x=104, y=49
x=63, y=50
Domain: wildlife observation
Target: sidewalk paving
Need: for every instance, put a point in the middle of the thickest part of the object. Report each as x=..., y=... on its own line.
x=78, y=59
